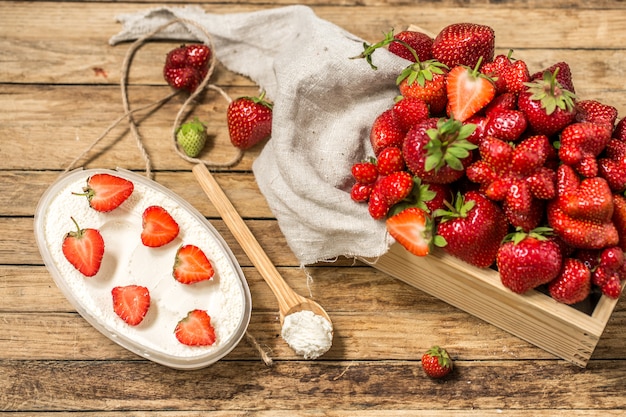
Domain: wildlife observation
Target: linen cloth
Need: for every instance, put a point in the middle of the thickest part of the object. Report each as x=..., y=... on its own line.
x=324, y=107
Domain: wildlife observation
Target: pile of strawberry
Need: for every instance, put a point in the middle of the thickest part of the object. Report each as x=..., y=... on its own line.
x=499, y=166
x=84, y=249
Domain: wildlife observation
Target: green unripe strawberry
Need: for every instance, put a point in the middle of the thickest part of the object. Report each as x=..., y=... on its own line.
x=191, y=137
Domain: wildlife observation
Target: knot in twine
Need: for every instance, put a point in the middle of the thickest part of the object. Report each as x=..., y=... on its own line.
x=128, y=114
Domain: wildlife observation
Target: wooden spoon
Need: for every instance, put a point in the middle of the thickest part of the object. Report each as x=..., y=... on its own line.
x=288, y=300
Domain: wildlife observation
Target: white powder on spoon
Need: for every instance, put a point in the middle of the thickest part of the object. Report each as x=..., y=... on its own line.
x=307, y=333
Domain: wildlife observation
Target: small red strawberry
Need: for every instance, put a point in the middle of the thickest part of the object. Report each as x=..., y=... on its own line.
x=580, y=145
x=464, y=44
x=395, y=187
x=612, y=167
x=186, y=66
x=159, y=227
x=508, y=125
x=436, y=362
x=471, y=229
x=468, y=91
x=377, y=205
x=595, y=112
x=131, y=303
x=249, y=121
x=365, y=172
x=528, y=260
x=573, y=284
x=409, y=111
x=192, y=265
x=195, y=329
x=386, y=132
x=361, y=192
x=411, y=228
x=613, y=287
x=438, y=151
x=106, y=192
x=420, y=42
x=509, y=74
x=390, y=160
x=84, y=249
x=548, y=106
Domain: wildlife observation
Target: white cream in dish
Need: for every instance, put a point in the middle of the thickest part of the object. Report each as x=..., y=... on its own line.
x=126, y=260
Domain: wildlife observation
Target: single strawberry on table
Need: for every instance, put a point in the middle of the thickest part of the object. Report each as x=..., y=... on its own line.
x=131, y=303
x=158, y=227
x=84, y=249
x=191, y=137
x=186, y=66
x=249, y=121
x=436, y=362
x=191, y=265
x=195, y=329
x=106, y=192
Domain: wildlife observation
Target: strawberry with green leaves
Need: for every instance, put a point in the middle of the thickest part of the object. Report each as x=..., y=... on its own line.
x=186, y=66
x=437, y=150
x=427, y=81
x=249, y=121
x=195, y=329
x=468, y=91
x=191, y=265
x=563, y=75
x=158, y=227
x=436, y=362
x=191, y=137
x=84, y=249
x=471, y=229
x=464, y=44
x=411, y=228
x=573, y=284
x=106, y=192
x=527, y=260
x=131, y=303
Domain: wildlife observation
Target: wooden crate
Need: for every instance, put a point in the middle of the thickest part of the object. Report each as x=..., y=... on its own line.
x=562, y=330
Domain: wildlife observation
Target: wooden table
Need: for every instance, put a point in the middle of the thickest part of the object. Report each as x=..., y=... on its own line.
x=59, y=89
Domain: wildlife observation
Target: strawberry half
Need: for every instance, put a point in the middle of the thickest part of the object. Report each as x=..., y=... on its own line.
x=468, y=91
x=191, y=265
x=159, y=227
x=131, y=303
x=106, y=192
x=84, y=249
x=412, y=229
x=249, y=121
x=195, y=329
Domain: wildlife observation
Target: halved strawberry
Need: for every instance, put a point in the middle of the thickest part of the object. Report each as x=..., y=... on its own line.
x=412, y=229
x=106, y=192
x=131, y=303
x=468, y=91
x=159, y=227
x=84, y=249
x=195, y=329
x=191, y=265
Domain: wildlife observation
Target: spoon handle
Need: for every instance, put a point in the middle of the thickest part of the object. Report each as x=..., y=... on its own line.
x=284, y=294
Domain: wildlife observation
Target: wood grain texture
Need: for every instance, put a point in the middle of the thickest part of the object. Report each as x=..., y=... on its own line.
x=59, y=90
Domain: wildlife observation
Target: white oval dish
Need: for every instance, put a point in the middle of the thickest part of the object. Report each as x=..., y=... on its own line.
x=226, y=297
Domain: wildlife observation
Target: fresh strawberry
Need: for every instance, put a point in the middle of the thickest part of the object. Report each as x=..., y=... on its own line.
x=249, y=121
x=428, y=197
x=412, y=228
x=508, y=125
x=427, y=81
x=386, y=131
x=361, y=192
x=84, y=249
x=436, y=362
x=377, y=205
x=612, y=288
x=504, y=101
x=563, y=75
x=464, y=44
x=619, y=132
x=480, y=123
x=131, y=303
x=528, y=260
x=573, y=284
x=509, y=74
x=186, y=66
x=612, y=167
x=192, y=265
x=395, y=187
x=438, y=151
x=619, y=218
x=580, y=145
x=195, y=329
x=595, y=112
x=420, y=42
x=409, y=111
x=471, y=229
x=468, y=92
x=191, y=137
x=159, y=227
x=390, y=160
x=106, y=192
x=581, y=233
x=365, y=172
x=548, y=106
